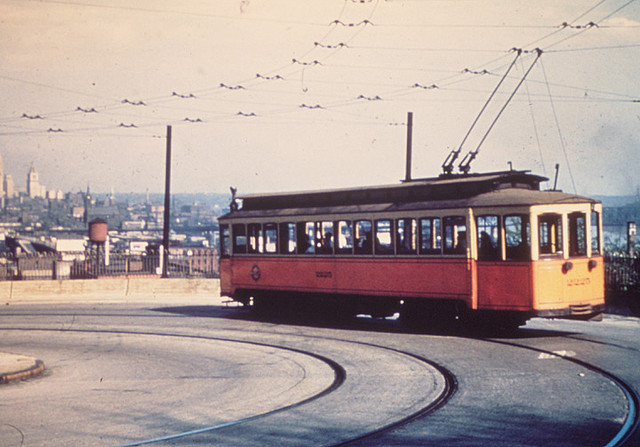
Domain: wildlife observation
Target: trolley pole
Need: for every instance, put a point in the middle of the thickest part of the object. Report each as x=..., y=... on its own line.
x=167, y=207
x=407, y=177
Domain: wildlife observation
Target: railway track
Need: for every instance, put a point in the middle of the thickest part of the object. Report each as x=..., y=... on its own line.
x=309, y=343
x=339, y=372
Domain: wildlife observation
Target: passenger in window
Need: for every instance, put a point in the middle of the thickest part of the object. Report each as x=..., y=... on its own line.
x=487, y=250
x=364, y=243
x=461, y=246
x=327, y=243
x=309, y=245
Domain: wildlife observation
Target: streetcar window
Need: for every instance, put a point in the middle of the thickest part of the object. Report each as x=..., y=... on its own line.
x=270, y=238
x=306, y=237
x=363, y=237
x=550, y=234
x=255, y=238
x=595, y=232
x=239, y=239
x=455, y=235
x=406, y=235
x=430, y=239
x=517, y=232
x=324, y=238
x=344, y=237
x=225, y=241
x=488, y=229
x=577, y=234
x=384, y=239
x=287, y=238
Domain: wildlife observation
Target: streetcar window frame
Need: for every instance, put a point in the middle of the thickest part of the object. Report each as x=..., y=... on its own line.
x=225, y=241
x=517, y=241
x=384, y=230
x=305, y=234
x=577, y=234
x=595, y=233
x=324, y=237
x=255, y=238
x=455, y=235
x=363, y=240
x=406, y=236
x=343, y=237
x=550, y=235
x=431, y=240
x=288, y=239
x=488, y=229
x=270, y=236
x=239, y=232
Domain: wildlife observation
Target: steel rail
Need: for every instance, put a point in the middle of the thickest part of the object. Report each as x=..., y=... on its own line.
x=340, y=374
x=632, y=421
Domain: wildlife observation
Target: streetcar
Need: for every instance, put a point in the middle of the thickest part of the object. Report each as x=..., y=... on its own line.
x=489, y=247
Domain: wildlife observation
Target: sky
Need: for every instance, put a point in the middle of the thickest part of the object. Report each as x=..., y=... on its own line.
x=289, y=95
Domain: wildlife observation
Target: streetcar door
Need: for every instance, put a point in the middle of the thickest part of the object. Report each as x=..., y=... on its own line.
x=503, y=271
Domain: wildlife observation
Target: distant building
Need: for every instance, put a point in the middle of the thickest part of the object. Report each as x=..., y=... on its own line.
x=2, y=189
x=34, y=188
x=9, y=187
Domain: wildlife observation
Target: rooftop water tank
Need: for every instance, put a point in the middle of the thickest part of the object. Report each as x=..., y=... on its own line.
x=98, y=230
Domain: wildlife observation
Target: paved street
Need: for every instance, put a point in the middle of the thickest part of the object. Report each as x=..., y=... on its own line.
x=198, y=373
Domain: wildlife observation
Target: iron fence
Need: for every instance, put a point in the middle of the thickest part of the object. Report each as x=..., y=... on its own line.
x=622, y=272
x=92, y=265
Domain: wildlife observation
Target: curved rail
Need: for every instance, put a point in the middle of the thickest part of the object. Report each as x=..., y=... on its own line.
x=340, y=374
x=632, y=421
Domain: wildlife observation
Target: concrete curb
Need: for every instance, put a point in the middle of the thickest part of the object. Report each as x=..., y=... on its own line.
x=36, y=368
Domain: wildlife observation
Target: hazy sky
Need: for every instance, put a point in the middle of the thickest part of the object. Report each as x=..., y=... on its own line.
x=277, y=95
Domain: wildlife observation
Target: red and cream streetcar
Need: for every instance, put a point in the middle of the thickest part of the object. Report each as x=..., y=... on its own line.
x=489, y=245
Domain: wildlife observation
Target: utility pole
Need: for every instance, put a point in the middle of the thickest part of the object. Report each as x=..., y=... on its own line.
x=167, y=207
x=407, y=177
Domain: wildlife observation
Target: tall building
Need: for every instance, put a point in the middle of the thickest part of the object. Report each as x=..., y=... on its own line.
x=34, y=188
x=2, y=188
x=9, y=187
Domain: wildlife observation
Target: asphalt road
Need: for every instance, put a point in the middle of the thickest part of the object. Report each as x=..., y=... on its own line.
x=211, y=375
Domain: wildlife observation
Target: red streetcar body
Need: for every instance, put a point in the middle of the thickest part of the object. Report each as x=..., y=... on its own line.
x=485, y=243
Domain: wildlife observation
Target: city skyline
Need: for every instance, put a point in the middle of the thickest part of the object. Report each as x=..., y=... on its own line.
x=282, y=95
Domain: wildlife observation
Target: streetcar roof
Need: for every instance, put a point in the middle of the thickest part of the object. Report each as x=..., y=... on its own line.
x=437, y=188
x=507, y=197
x=497, y=189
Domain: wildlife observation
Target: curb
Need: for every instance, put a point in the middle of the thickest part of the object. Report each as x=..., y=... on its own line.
x=33, y=371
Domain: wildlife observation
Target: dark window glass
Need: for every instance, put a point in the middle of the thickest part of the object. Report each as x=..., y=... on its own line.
x=430, y=237
x=344, y=237
x=363, y=237
x=306, y=237
x=455, y=235
x=225, y=241
x=577, y=234
x=595, y=232
x=287, y=238
x=550, y=234
x=270, y=238
x=255, y=238
x=517, y=231
x=239, y=239
x=384, y=237
x=488, y=229
x=406, y=236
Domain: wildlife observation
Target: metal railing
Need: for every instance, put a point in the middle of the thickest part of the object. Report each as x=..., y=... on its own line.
x=96, y=265
x=622, y=272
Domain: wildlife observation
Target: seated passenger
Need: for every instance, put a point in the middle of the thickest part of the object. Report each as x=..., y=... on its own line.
x=461, y=246
x=327, y=243
x=486, y=249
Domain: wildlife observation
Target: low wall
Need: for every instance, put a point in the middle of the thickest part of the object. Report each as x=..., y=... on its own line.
x=158, y=290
